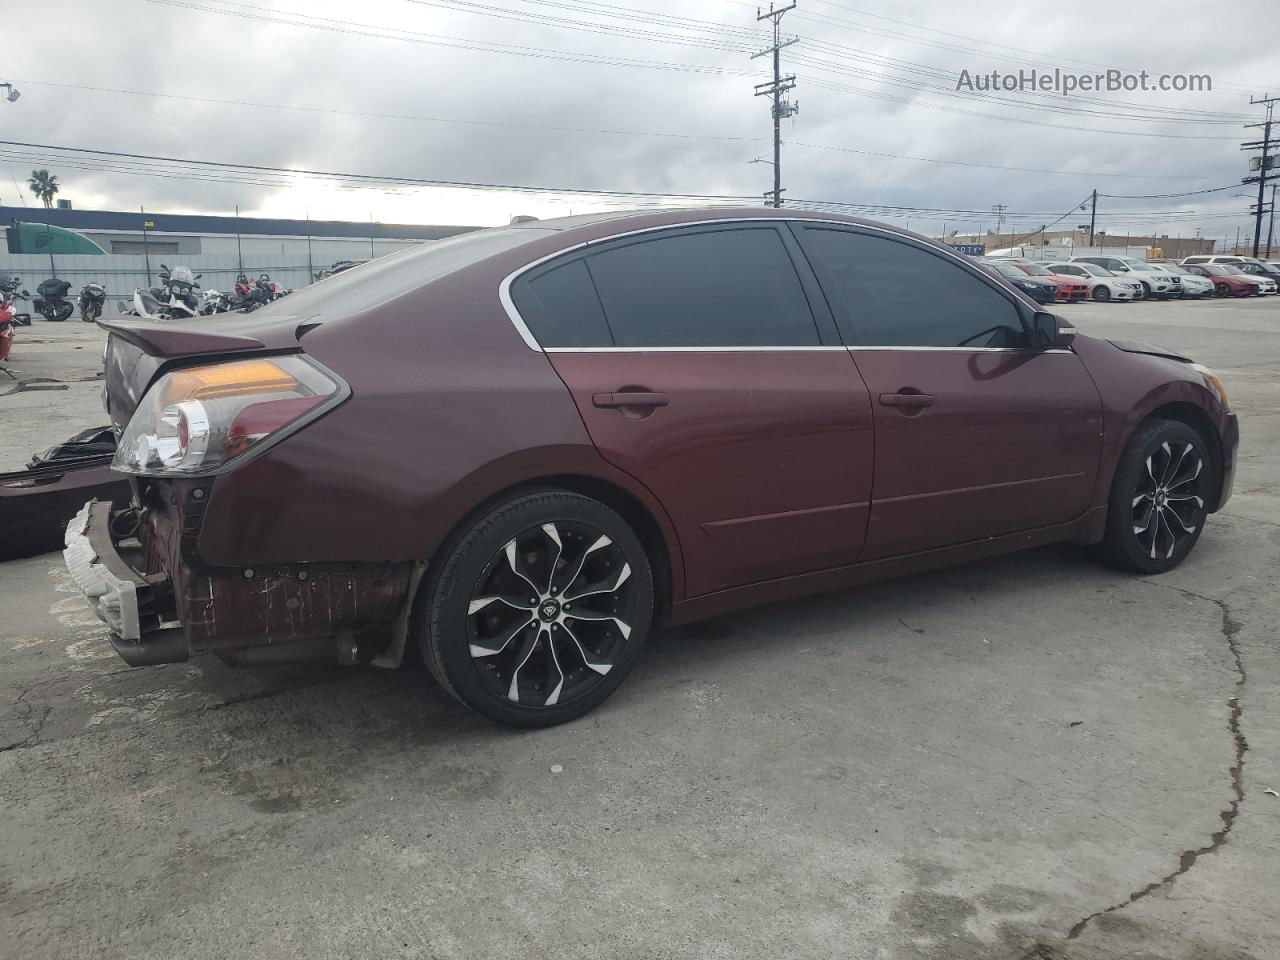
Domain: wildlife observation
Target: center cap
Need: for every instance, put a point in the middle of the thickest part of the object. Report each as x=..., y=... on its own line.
x=549, y=609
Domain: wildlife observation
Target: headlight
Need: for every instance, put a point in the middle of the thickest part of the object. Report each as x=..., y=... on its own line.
x=193, y=421
x=1213, y=383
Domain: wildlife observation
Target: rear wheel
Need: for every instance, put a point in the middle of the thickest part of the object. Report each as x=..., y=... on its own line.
x=1159, y=498
x=538, y=610
x=1101, y=294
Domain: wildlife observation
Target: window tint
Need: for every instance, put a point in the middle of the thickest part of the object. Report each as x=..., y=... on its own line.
x=710, y=288
x=889, y=293
x=561, y=308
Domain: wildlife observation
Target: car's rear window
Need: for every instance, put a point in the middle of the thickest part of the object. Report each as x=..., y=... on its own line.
x=398, y=273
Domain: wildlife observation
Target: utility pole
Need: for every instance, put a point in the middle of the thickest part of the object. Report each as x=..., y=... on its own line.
x=1265, y=163
x=1271, y=230
x=146, y=247
x=239, y=258
x=1093, y=216
x=774, y=90
x=998, y=209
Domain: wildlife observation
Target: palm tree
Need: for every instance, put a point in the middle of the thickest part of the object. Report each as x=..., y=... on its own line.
x=44, y=185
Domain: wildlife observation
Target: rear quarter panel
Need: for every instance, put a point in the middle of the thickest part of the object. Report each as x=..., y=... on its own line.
x=448, y=407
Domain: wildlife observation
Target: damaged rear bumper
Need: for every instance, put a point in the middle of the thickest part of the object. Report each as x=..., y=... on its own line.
x=122, y=598
x=161, y=604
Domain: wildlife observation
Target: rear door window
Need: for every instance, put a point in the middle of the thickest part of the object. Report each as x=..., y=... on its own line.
x=892, y=293
x=722, y=287
x=560, y=307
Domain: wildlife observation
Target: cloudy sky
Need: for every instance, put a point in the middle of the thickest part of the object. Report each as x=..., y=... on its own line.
x=621, y=95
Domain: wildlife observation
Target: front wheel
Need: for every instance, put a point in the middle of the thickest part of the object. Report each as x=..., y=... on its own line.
x=1101, y=294
x=538, y=610
x=1159, y=498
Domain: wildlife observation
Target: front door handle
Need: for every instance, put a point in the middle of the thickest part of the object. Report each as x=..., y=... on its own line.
x=913, y=400
x=629, y=399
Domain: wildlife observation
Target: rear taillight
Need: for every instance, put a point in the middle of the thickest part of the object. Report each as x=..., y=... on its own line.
x=196, y=420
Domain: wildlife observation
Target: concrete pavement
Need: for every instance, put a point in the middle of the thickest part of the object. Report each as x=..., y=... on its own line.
x=1030, y=757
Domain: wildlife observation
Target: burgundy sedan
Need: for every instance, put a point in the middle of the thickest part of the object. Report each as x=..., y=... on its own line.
x=519, y=449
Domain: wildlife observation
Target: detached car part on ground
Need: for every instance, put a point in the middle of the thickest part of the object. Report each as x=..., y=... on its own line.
x=520, y=448
x=36, y=503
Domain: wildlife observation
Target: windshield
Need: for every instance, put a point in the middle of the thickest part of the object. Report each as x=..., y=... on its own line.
x=1178, y=269
x=1213, y=269
x=1233, y=270
x=1142, y=266
x=1036, y=270
x=1006, y=270
x=1094, y=270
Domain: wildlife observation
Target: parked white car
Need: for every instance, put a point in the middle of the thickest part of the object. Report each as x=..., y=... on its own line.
x=1192, y=284
x=1155, y=282
x=1103, y=284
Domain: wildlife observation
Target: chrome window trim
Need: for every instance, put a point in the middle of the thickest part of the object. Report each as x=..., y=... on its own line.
x=504, y=288
x=1031, y=350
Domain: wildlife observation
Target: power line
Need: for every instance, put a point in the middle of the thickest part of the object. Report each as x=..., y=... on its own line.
x=248, y=11
x=555, y=128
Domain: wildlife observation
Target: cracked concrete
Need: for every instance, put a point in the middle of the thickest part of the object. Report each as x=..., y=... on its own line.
x=1028, y=758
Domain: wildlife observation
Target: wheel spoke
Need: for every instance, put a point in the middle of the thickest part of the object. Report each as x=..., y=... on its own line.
x=1151, y=473
x=511, y=552
x=1142, y=526
x=554, y=536
x=623, y=628
x=600, y=544
x=593, y=662
x=600, y=586
x=495, y=645
x=526, y=651
x=1170, y=512
x=479, y=603
x=554, y=672
x=1175, y=483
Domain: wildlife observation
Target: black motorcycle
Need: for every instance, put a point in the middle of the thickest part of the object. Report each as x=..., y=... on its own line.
x=51, y=300
x=92, y=297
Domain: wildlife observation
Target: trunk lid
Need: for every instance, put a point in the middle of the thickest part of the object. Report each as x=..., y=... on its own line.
x=137, y=350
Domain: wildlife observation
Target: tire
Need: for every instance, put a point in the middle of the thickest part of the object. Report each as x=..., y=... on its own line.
x=1146, y=290
x=1159, y=498
x=1101, y=294
x=1221, y=290
x=558, y=665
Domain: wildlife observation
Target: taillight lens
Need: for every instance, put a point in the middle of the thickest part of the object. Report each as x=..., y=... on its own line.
x=195, y=420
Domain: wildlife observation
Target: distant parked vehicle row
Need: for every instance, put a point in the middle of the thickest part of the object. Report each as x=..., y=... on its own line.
x=1105, y=278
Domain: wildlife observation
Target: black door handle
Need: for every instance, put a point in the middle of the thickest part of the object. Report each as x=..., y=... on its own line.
x=629, y=399
x=915, y=400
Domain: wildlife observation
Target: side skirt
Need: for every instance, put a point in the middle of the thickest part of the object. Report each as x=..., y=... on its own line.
x=1084, y=530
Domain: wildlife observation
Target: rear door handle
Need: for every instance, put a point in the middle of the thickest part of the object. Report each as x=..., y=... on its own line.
x=915, y=400
x=629, y=399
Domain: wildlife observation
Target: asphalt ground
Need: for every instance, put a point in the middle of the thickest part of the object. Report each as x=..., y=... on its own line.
x=1029, y=757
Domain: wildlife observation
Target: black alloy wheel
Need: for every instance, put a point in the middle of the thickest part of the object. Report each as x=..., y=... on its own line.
x=1160, y=498
x=540, y=609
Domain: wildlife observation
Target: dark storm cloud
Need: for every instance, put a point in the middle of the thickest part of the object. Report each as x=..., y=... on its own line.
x=156, y=48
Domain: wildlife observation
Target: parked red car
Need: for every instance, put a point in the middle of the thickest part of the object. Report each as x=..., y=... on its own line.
x=520, y=448
x=1070, y=289
x=1226, y=282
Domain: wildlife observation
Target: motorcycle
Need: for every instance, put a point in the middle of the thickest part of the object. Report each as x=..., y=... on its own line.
x=51, y=300
x=92, y=297
x=7, y=325
x=214, y=301
x=174, y=298
x=11, y=291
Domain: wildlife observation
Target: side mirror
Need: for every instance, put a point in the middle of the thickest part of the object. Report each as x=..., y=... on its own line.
x=1049, y=331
